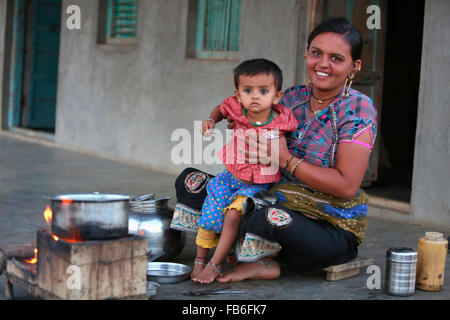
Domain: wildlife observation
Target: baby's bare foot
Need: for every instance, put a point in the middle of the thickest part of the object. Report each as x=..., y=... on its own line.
x=199, y=265
x=209, y=273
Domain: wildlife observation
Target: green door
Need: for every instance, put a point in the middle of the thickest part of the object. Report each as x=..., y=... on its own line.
x=36, y=33
x=43, y=65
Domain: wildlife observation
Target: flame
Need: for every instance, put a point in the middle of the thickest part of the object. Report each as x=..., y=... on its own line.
x=48, y=214
x=66, y=200
x=33, y=260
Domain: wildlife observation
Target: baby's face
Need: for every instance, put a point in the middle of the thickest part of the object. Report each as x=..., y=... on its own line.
x=258, y=93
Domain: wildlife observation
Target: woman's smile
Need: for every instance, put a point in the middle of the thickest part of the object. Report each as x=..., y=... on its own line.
x=322, y=74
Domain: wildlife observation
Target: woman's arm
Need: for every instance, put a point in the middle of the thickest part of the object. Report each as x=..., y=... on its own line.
x=344, y=180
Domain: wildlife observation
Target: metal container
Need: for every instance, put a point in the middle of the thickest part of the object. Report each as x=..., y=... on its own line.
x=151, y=218
x=89, y=216
x=167, y=272
x=400, y=271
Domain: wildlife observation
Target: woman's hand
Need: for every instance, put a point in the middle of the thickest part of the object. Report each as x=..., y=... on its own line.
x=260, y=150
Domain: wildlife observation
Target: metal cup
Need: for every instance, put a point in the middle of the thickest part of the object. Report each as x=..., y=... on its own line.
x=400, y=271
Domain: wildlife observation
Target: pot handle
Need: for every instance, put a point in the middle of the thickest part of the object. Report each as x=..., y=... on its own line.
x=156, y=256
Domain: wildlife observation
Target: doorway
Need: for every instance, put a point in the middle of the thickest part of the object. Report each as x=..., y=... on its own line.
x=390, y=77
x=34, y=69
x=397, y=131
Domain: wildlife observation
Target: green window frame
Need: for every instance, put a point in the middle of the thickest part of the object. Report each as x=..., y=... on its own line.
x=218, y=24
x=122, y=21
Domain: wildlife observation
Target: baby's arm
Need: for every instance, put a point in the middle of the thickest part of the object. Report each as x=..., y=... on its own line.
x=215, y=117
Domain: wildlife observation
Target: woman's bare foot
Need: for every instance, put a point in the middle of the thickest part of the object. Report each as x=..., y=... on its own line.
x=199, y=265
x=209, y=273
x=265, y=269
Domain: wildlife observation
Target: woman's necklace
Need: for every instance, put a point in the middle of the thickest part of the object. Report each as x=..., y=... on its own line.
x=257, y=123
x=320, y=101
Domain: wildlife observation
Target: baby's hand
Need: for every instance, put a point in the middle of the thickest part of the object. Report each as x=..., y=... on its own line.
x=207, y=126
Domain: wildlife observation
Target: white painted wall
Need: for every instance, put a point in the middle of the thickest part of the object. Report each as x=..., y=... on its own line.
x=125, y=102
x=430, y=199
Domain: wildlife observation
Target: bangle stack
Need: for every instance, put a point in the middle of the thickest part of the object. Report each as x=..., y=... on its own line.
x=212, y=121
x=292, y=171
x=287, y=164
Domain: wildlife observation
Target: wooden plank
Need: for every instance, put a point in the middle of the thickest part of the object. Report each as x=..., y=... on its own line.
x=348, y=269
x=9, y=290
x=333, y=276
x=355, y=263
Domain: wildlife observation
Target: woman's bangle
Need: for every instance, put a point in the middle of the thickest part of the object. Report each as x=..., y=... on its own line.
x=287, y=164
x=212, y=121
x=295, y=166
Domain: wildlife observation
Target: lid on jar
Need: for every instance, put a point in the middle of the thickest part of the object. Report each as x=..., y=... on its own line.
x=434, y=236
x=402, y=254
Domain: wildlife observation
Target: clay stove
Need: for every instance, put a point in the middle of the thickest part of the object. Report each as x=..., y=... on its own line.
x=81, y=270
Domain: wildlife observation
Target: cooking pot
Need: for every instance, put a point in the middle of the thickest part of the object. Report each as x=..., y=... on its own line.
x=151, y=218
x=89, y=216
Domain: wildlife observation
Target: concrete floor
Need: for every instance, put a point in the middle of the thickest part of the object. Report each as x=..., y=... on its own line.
x=29, y=171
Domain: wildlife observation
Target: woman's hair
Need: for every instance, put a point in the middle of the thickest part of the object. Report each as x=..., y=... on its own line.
x=344, y=27
x=257, y=66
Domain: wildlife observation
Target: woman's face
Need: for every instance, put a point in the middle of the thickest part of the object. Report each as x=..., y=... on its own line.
x=329, y=62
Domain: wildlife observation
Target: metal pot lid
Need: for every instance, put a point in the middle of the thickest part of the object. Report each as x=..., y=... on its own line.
x=90, y=197
x=144, y=197
x=402, y=254
x=159, y=202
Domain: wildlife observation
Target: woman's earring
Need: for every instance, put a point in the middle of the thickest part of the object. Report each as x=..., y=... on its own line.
x=346, y=90
x=308, y=82
x=351, y=76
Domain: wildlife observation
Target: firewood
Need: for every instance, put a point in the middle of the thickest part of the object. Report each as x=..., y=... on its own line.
x=25, y=250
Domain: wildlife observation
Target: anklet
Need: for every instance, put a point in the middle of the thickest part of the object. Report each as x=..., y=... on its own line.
x=214, y=266
x=196, y=262
x=265, y=263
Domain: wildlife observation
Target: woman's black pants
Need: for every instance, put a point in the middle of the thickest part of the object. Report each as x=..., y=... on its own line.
x=307, y=243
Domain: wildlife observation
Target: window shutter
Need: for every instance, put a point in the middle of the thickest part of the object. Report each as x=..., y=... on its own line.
x=122, y=19
x=218, y=29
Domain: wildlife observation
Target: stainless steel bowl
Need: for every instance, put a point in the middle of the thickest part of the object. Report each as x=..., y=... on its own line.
x=167, y=272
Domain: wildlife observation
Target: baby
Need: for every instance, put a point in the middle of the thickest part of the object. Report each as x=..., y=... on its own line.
x=256, y=107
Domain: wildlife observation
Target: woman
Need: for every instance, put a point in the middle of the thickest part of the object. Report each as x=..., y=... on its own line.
x=320, y=215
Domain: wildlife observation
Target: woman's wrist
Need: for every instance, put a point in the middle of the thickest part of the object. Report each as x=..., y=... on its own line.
x=288, y=162
x=285, y=160
x=294, y=167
